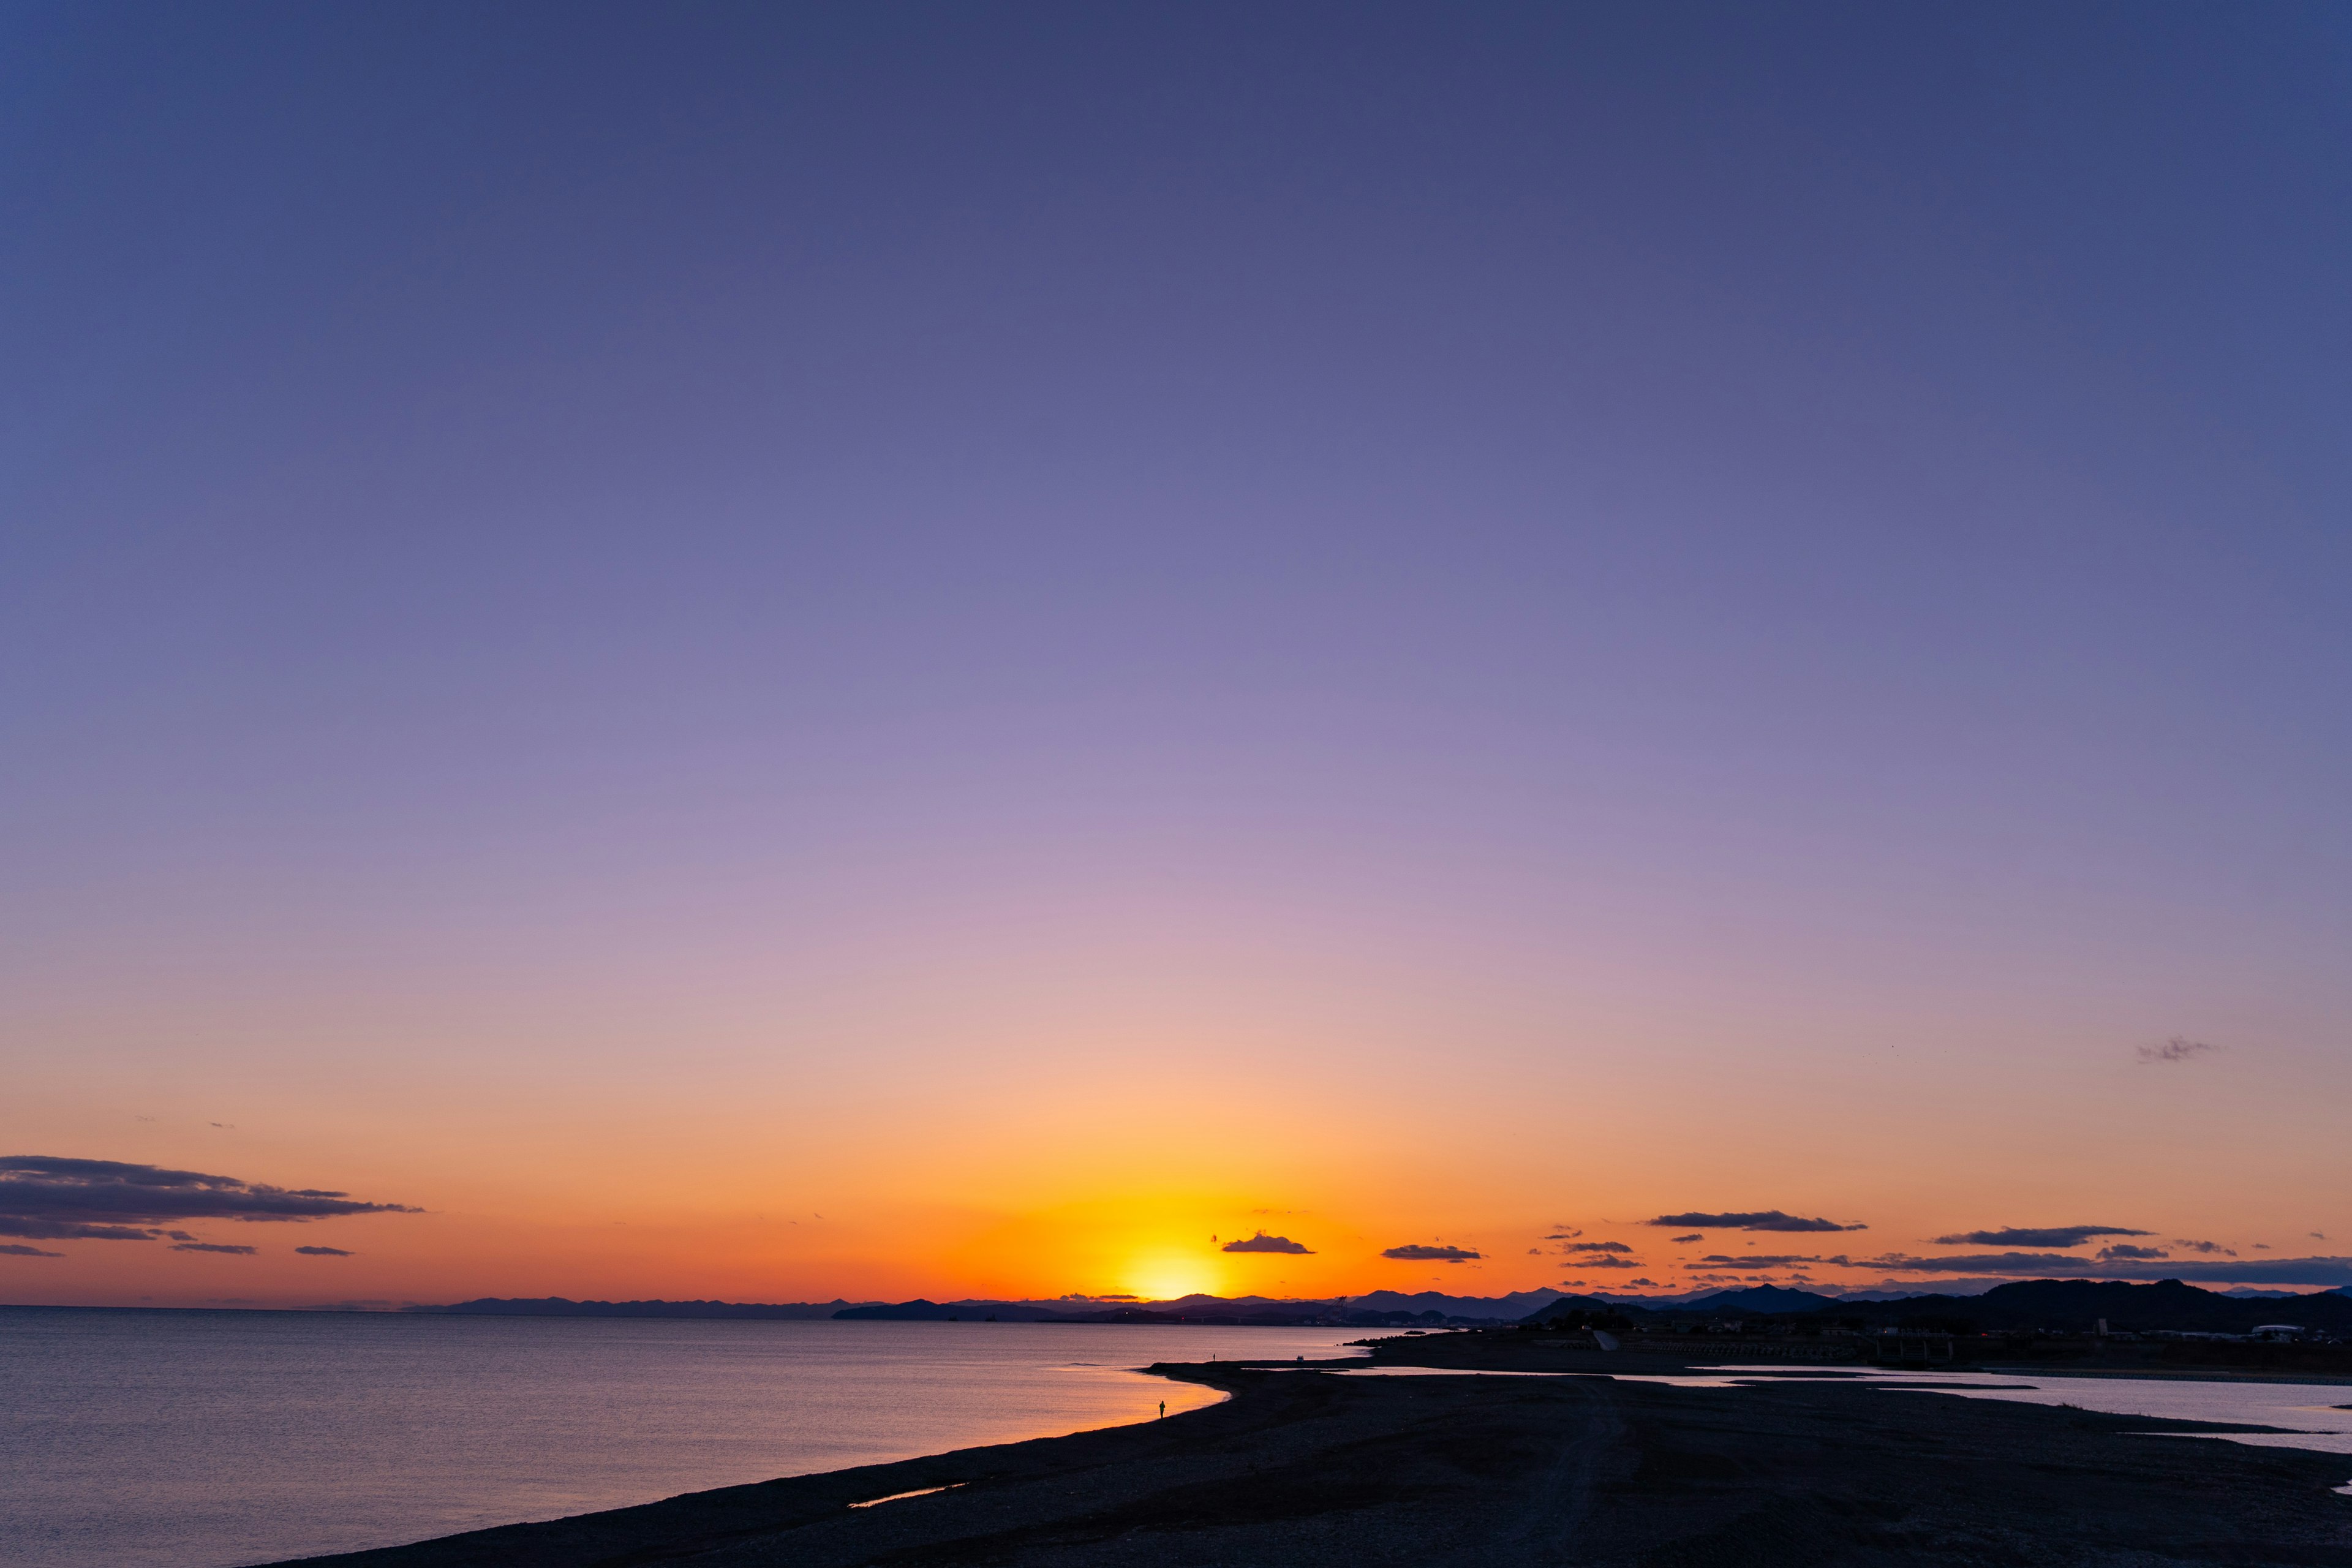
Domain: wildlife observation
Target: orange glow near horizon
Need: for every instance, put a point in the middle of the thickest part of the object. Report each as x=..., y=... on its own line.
x=740, y=1173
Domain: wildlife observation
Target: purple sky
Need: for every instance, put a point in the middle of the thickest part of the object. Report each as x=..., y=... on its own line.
x=1775, y=525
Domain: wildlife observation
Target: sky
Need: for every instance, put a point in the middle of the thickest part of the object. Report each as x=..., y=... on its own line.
x=781, y=652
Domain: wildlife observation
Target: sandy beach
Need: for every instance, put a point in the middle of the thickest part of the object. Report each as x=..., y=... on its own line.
x=1306, y=1468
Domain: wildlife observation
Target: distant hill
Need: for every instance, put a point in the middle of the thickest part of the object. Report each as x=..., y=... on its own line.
x=1384, y=1309
x=1683, y=1301
x=1502, y=1309
x=1753, y=1302
x=1764, y=1298
x=2064, y=1305
x=559, y=1306
x=2060, y=1304
x=1573, y=1307
x=1196, y=1302
x=1381, y=1309
x=1250, y=1310
x=2077, y=1305
x=925, y=1311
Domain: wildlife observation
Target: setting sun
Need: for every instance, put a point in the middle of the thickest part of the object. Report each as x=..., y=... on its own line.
x=1164, y=1277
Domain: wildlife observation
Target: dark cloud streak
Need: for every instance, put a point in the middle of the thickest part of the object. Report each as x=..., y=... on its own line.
x=2046, y=1235
x=1767, y=1219
x=48, y=1197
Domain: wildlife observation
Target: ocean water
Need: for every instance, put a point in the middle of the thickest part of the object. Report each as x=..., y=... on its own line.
x=217, y=1439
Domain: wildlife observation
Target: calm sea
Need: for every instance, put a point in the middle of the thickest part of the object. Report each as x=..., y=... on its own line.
x=211, y=1439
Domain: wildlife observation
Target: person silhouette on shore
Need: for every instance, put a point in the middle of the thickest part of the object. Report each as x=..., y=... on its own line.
x=1163, y=1410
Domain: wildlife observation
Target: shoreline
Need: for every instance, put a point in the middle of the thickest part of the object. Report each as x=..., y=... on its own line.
x=2164, y=1374
x=1304, y=1466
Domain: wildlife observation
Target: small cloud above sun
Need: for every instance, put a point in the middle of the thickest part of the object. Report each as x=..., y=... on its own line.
x=1262, y=1242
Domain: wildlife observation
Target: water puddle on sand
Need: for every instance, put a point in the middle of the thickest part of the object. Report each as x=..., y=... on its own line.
x=900, y=1497
x=2311, y=1414
x=1687, y=1381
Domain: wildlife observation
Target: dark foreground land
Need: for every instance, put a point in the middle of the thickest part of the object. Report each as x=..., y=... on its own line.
x=1308, y=1468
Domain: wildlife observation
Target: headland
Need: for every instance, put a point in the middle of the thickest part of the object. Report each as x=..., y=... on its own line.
x=1309, y=1465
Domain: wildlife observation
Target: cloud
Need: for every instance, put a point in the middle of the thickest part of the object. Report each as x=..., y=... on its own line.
x=214, y=1247
x=2049, y=1235
x=2206, y=1247
x=2127, y=1253
x=1262, y=1242
x=2179, y=1048
x=48, y=1198
x=63, y=1231
x=1758, y=1260
x=2322, y=1272
x=1414, y=1252
x=1563, y=1233
x=2024, y=1265
x=322, y=1252
x=1596, y=1247
x=12, y=1250
x=1678, y=1240
x=1604, y=1261
x=1770, y=1219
